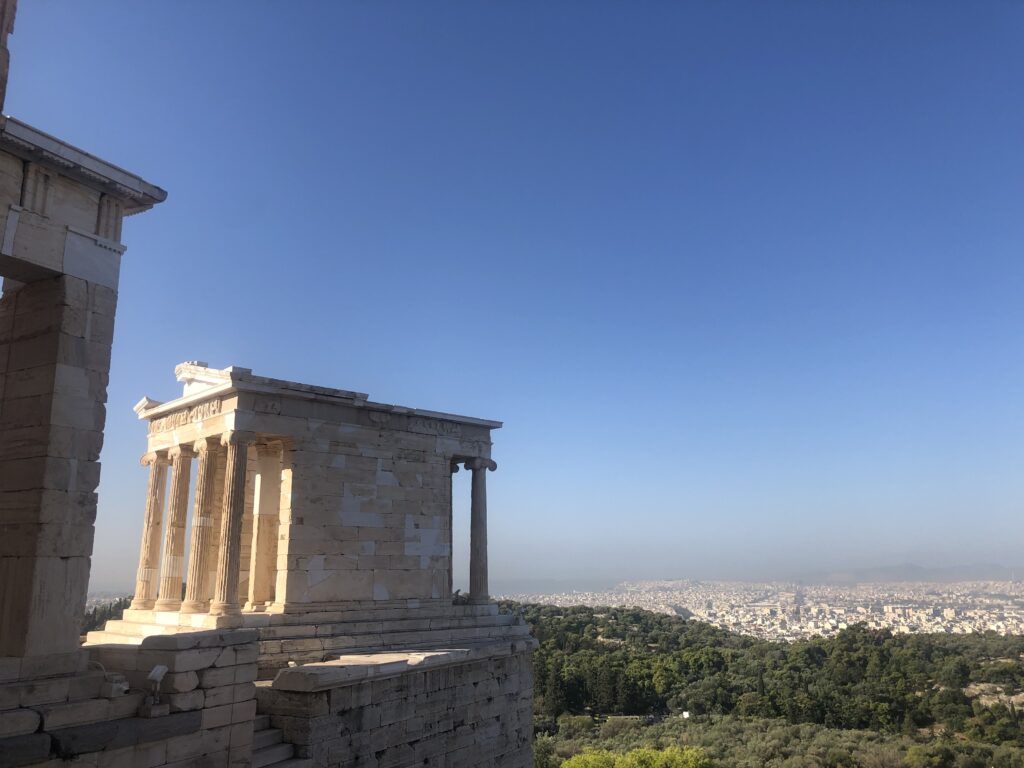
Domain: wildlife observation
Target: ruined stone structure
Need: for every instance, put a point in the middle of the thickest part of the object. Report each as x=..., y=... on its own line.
x=60, y=255
x=302, y=613
x=306, y=499
x=323, y=521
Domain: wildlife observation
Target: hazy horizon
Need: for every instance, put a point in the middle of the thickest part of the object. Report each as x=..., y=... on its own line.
x=742, y=281
x=525, y=584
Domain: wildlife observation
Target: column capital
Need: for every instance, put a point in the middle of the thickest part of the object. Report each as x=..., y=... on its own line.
x=183, y=451
x=235, y=437
x=481, y=463
x=151, y=458
x=268, y=447
x=204, y=444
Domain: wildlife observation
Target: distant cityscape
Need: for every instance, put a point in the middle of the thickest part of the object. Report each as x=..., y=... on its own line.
x=98, y=598
x=788, y=611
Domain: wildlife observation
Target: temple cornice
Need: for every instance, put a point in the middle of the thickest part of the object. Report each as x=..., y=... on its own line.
x=202, y=384
x=30, y=143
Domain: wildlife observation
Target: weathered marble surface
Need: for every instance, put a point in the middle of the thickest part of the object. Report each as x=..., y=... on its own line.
x=468, y=707
x=47, y=718
x=328, y=526
x=335, y=501
x=60, y=257
x=320, y=519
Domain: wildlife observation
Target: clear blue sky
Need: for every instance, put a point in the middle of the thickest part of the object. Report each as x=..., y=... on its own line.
x=744, y=280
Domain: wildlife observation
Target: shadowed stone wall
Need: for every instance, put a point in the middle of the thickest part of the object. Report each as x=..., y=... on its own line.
x=49, y=720
x=441, y=708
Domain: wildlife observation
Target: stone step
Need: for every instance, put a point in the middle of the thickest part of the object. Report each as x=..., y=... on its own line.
x=129, y=631
x=139, y=628
x=444, y=628
x=275, y=753
x=309, y=649
x=266, y=737
x=389, y=636
x=261, y=723
x=106, y=638
x=364, y=613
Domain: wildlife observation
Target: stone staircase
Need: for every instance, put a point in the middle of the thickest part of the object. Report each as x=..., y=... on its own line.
x=269, y=750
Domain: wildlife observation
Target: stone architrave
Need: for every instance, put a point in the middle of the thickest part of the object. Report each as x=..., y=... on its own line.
x=173, y=566
x=196, y=589
x=147, y=581
x=225, y=593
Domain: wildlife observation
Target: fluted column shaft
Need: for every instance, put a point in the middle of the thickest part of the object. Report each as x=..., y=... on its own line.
x=147, y=580
x=173, y=566
x=225, y=592
x=266, y=511
x=479, y=591
x=196, y=588
x=451, y=530
x=213, y=543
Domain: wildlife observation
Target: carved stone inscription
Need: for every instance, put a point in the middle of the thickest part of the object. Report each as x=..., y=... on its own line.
x=266, y=405
x=434, y=427
x=185, y=416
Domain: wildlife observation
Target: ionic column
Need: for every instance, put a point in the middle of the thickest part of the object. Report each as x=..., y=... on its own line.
x=173, y=567
x=213, y=543
x=225, y=592
x=478, y=589
x=451, y=531
x=196, y=584
x=266, y=511
x=148, y=579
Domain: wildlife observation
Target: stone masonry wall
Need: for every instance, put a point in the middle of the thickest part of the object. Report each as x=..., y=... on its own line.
x=55, y=338
x=477, y=713
x=363, y=526
x=209, y=687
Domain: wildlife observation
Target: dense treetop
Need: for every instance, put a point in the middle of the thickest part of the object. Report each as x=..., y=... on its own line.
x=620, y=661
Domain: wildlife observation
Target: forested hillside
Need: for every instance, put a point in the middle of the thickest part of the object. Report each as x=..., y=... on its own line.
x=955, y=691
